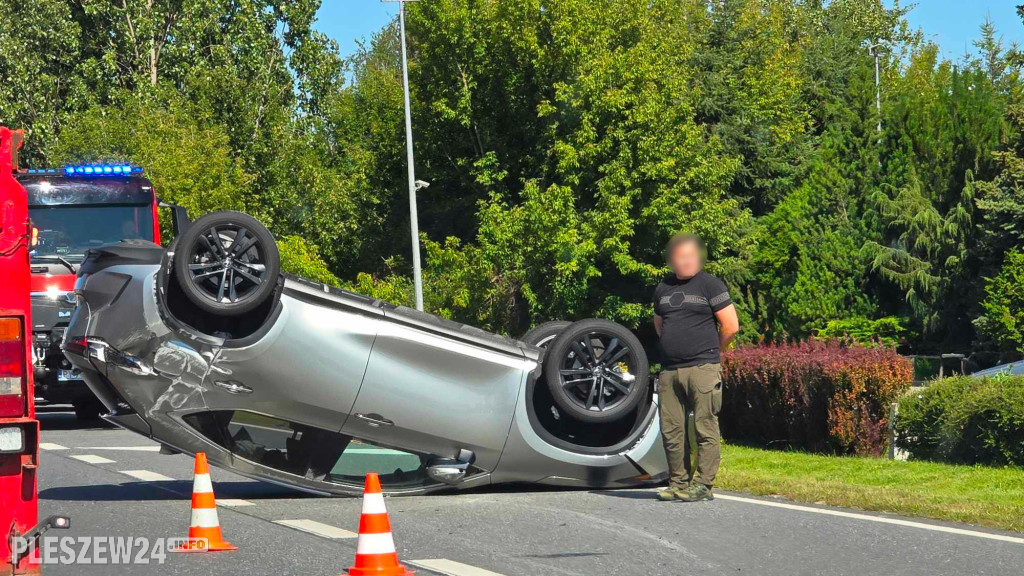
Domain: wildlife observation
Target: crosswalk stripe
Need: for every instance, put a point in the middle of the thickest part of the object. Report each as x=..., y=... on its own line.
x=318, y=528
x=51, y=446
x=452, y=568
x=146, y=475
x=93, y=459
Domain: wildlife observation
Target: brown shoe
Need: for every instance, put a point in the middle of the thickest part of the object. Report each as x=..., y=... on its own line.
x=696, y=492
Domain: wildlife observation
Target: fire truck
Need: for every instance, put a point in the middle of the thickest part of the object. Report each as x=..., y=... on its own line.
x=72, y=209
x=19, y=429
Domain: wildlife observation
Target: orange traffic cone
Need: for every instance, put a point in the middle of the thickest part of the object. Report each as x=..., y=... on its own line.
x=204, y=514
x=375, y=549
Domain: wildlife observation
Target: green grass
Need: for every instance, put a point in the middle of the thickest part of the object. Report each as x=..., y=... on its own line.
x=981, y=495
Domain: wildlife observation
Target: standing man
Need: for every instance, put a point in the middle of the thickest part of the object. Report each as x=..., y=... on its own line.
x=695, y=320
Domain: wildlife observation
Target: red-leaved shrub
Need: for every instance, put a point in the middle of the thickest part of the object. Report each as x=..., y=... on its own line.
x=820, y=396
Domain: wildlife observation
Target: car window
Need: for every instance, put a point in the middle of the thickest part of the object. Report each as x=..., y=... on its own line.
x=396, y=468
x=314, y=453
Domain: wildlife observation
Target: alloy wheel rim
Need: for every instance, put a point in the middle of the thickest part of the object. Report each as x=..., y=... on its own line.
x=598, y=372
x=227, y=264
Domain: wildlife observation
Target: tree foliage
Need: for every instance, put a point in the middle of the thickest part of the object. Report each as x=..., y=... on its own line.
x=565, y=141
x=1003, y=320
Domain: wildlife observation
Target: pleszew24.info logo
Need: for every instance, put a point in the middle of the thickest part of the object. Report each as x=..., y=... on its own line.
x=104, y=550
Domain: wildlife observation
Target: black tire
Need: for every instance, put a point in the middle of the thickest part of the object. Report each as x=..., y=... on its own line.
x=542, y=335
x=589, y=387
x=221, y=273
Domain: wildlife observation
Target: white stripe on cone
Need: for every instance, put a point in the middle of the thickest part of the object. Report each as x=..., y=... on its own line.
x=205, y=518
x=374, y=504
x=202, y=484
x=375, y=544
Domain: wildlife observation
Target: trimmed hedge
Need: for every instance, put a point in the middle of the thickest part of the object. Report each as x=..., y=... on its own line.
x=820, y=396
x=965, y=420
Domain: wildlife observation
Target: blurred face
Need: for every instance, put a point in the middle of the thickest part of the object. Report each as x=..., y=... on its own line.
x=686, y=260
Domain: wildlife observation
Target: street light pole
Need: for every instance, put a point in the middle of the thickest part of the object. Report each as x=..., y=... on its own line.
x=417, y=278
x=873, y=49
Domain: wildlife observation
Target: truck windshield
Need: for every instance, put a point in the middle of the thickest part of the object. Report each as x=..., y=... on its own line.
x=68, y=231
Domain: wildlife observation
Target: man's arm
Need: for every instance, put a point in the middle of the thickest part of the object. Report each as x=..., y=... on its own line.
x=657, y=324
x=728, y=325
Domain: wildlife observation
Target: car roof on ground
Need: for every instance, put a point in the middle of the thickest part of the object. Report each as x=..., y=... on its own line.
x=1011, y=368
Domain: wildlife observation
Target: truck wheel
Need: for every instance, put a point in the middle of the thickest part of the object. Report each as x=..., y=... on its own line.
x=597, y=370
x=227, y=263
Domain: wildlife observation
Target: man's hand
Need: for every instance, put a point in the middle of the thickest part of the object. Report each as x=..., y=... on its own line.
x=728, y=326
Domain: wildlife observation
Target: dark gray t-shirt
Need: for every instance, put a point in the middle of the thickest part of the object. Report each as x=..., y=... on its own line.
x=689, y=333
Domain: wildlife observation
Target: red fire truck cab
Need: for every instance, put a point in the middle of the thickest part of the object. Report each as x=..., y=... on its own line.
x=73, y=209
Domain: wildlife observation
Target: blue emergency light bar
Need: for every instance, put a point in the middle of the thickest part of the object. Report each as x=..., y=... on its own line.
x=101, y=170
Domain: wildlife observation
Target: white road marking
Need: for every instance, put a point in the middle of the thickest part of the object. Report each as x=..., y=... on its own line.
x=51, y=446
x=93, y=459
x=452, y=568
x=313, y=527
x=146, y=475
x=231, y=502
x=124, y=448
x=870, y=518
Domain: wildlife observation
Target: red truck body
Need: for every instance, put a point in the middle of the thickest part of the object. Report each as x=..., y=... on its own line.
x=18, y=464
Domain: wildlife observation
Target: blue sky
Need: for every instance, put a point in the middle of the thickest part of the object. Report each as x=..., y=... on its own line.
x=348, y=21
x=952, y=24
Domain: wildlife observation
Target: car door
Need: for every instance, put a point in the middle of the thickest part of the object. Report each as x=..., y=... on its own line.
x=435, y=387
x=307, y=368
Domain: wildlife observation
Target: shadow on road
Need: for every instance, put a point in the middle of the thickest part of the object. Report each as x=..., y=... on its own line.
x=119, y=492
x=625, y=493
x=166, y=490
x=565, y=555
x=59, y=417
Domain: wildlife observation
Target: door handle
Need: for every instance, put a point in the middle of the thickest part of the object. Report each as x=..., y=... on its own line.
x=375, y=420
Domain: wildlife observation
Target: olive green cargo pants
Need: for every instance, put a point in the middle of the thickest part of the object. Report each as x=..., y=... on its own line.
x=697, y=388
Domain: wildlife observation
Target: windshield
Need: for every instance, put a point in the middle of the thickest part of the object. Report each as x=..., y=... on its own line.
x=68, y=231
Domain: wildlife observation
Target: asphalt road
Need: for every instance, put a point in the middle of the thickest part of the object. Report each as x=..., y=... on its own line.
x=518, y=531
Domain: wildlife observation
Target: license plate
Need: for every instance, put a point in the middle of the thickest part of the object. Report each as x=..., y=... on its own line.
x=65, y=375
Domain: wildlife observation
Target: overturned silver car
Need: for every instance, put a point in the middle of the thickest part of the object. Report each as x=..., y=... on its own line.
x=206, y=346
